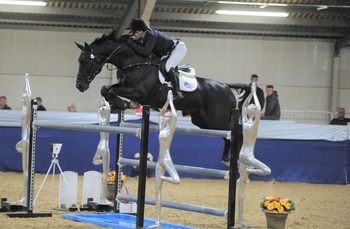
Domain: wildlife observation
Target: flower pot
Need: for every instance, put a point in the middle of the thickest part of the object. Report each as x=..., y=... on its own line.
x=276, y=220
x=110, y=192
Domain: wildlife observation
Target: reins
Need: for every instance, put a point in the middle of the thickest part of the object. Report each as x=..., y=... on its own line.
x=116, y=51
x=149, y=62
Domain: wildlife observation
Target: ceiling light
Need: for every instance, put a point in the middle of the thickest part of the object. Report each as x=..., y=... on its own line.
x=277, y=4
x=322, y=7
x=241, y=3
x=263, y=6
x=252, y=13
x=27, y=3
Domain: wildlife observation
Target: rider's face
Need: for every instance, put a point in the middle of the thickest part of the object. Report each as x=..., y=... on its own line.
x=138, y=34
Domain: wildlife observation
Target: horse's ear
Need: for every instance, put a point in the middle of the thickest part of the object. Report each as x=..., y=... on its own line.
x=79, y=46
x=87, y=47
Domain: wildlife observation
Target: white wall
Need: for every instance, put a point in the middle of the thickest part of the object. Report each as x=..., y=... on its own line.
x=344, y=79
x=299, y=69
x=51, y=59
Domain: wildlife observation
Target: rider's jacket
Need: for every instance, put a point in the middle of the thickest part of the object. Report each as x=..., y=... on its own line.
x=156, y=41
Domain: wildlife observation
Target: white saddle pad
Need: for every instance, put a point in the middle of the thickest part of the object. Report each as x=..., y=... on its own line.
x=188, y=84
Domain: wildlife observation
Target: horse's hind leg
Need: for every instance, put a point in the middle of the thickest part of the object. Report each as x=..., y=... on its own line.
x=226, y=155
x=225, y=158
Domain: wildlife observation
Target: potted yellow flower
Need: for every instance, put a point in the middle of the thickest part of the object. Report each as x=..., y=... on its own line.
x=111, y=183
x=276, y=211
x=111, y=177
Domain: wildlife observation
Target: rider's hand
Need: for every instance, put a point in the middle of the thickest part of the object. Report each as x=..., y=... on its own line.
x=130, y=41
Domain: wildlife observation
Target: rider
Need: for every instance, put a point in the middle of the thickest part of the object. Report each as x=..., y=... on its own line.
x=162, y=45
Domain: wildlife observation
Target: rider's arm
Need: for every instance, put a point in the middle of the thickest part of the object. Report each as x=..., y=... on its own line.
x=149, y=40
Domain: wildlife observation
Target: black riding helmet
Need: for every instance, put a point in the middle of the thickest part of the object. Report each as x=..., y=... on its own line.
x=137, y=24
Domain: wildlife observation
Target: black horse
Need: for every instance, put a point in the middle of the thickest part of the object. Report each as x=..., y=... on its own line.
x=210, y=105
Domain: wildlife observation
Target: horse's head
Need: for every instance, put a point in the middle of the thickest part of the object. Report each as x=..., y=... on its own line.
x=89, y=66
x=105, y=49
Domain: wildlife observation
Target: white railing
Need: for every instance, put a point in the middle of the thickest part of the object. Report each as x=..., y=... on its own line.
x=347, y=115
x=307, y=117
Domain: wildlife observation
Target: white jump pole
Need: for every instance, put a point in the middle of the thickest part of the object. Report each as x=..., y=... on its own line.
x=180, y=206
x=181, y=168
x=86, y=127
x=182, y=130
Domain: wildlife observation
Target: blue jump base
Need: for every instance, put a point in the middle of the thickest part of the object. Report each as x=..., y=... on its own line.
x=119, y=221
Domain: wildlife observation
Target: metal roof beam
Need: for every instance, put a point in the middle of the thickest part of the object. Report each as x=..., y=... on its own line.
x=341, y=43
x=61, y=11
x=308, y=9
x=126, y=2
x=246, y=29
x=250, y=20
x=68, y=21
x=132, y=10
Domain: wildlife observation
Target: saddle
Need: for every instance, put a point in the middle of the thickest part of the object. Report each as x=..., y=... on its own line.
x=187, y=79
x=184, y=70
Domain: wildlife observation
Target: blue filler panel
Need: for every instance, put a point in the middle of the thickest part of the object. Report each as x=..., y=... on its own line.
x=120, y=221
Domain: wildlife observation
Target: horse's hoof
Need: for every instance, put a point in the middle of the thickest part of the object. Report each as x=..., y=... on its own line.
x=226, y=163
x=225, y=158
x=105, y=90
x=120, y=105
x=134, y=105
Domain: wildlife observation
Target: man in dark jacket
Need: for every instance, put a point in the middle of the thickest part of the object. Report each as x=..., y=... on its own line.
x=40, y=105
x=272, y=109
x=341, y=120
x=3, y=103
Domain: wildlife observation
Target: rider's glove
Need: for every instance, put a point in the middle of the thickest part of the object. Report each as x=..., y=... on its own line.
x=129, y=41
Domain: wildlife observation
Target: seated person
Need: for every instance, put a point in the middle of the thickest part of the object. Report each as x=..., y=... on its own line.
x=341, y=120
x=40, y=104
x=3, y=103
x=71, y=107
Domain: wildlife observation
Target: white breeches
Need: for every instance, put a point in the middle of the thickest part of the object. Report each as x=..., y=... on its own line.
x=176, y=56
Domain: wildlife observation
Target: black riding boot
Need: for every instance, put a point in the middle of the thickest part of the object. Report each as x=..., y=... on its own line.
x=174, y=78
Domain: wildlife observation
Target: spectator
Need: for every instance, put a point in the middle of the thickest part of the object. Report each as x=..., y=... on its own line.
x=272, y=109
x=3, y=103
x=259, y=91
x=71, y=107
x=40, y=106
x=341, y=120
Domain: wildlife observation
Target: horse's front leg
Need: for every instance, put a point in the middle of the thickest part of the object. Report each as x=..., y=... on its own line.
x=111, y=93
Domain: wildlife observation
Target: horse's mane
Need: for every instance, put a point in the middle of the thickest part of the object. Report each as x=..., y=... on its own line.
x=110, y=36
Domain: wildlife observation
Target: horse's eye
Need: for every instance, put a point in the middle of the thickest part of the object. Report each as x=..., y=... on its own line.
x=92, y=56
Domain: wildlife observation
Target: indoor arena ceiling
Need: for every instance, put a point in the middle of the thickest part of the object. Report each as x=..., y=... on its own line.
x=326, y=19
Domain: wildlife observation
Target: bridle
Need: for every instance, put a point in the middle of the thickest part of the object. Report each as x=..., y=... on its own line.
x=96, y=61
